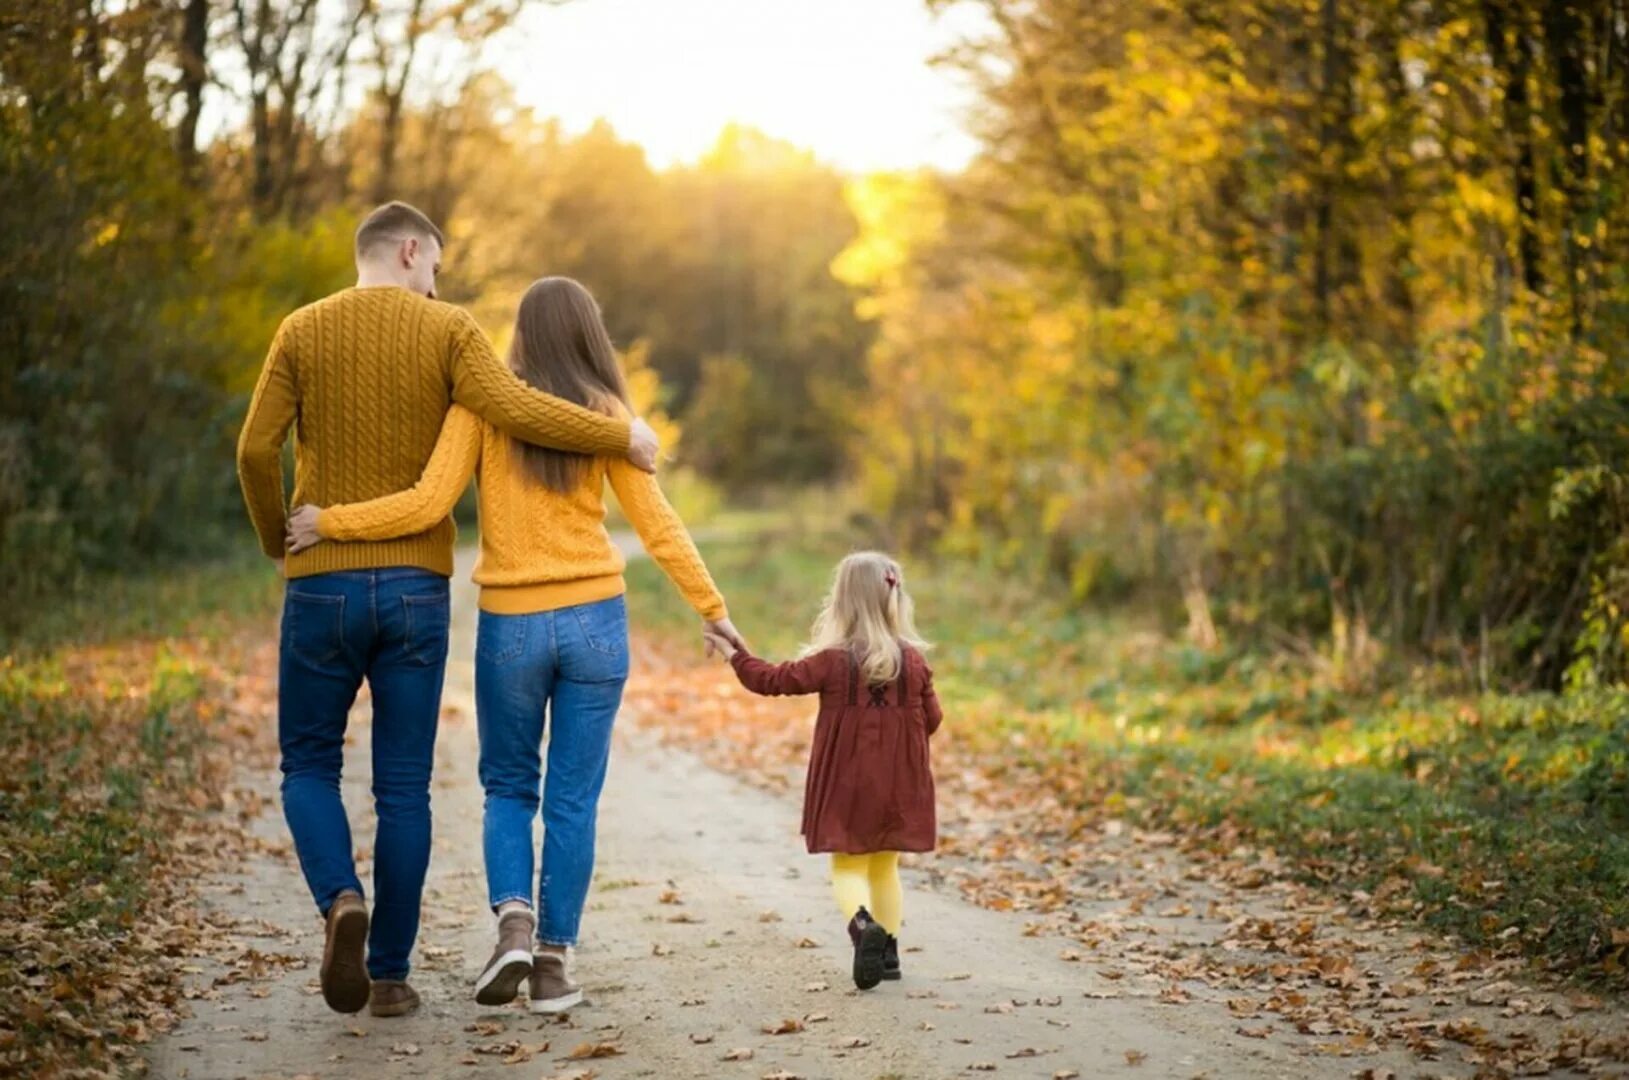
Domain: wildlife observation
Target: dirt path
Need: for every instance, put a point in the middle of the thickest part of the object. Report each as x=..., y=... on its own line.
x=707, y=925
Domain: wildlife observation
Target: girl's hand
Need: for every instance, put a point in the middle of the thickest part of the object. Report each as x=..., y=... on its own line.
x=302, y=529
x=719, y=644
x=725, y=629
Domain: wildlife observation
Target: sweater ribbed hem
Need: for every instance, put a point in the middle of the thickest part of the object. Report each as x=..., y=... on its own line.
x=550, y=595
x=432, y=551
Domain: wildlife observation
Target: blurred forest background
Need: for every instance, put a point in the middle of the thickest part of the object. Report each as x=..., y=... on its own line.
x=1300, y=321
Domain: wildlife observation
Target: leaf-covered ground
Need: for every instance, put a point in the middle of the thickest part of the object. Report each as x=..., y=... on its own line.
x=116, y=796
x=1229, y=834
x=710, y=948
x=1235, y=822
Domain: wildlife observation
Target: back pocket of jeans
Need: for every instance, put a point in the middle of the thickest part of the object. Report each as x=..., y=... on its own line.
x=315, y=626
x=500, y=638
x=425, y=629
x=605, y=626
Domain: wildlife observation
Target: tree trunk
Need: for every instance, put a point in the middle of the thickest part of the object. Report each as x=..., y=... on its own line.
x=392, y=93
x=1616, y=67
x=90, y=44
x=1565, y=43
x=1334, y=254
x=384, y=182
x=1201, y=626
x=1400, y=258
x=261, y=184
x=194, y=70
x=1514, y=66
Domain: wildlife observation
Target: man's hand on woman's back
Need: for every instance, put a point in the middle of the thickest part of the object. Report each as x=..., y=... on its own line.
x=643, y=445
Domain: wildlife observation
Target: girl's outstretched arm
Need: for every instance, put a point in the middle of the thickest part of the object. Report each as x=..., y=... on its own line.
x=804, y=676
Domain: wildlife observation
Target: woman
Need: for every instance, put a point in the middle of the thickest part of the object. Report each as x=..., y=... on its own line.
x=553, y=627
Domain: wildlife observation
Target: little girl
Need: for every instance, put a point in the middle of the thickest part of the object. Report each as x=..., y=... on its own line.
x=869, y=792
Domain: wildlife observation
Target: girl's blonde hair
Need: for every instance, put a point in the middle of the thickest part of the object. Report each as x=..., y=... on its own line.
x=869, y=613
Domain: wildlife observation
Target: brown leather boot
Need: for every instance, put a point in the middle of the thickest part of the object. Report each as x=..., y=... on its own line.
x=392, y=997
x=344, y=974
x=511, y=961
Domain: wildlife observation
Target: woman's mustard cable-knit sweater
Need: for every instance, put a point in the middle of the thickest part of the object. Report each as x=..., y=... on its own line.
x=540, y=549
x=367, y=376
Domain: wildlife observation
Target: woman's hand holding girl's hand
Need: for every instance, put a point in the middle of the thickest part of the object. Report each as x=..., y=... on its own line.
x=302, y=529
x=725, y=629
x=718, y=644
x=720, y=636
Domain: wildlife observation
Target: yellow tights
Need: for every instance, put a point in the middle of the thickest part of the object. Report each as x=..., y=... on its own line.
x=869, y=881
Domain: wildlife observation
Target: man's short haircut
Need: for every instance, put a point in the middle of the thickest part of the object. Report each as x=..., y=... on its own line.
x=391, y=224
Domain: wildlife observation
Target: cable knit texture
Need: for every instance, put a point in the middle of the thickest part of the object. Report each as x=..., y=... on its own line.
x=540, y=549
x=366, y=377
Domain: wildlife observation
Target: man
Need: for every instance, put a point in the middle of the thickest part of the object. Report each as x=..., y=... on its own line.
x=369, y=374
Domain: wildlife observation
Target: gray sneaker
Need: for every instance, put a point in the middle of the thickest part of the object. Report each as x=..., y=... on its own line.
x=552, y=989
x=511, y=961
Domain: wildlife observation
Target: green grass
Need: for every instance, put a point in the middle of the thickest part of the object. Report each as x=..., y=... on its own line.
x=71, y=744
x=1493, y=817
x=773, y=594
x=81, y=722
x=111, y=747
x=200, y=598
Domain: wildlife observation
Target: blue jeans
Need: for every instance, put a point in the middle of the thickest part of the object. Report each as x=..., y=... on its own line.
x=388, y=626
x=572, y=662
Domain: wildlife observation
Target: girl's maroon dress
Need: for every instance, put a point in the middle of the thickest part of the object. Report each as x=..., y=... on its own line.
x=869, y=786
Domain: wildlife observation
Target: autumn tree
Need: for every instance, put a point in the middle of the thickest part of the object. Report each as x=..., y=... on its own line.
x=1296, y=311
x=721, y=268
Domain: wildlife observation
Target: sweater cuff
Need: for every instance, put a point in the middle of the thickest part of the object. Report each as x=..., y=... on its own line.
x=614, y=442
x=619, y=444
x=326, y=524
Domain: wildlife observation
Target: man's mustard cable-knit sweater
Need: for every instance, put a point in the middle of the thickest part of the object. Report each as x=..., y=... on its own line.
x=366, y=377
x=540, y=549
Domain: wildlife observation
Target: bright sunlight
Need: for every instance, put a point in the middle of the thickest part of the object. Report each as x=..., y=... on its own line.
x=849, y=79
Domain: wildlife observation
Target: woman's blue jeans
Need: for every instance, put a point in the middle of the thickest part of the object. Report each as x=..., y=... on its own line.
x=571, y=663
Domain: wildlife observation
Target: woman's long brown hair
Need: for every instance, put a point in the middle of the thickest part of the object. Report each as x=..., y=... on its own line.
x=561, y=347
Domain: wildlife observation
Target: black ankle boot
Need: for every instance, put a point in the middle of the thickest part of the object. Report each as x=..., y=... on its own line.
x=870, y=944
x=890, y=959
